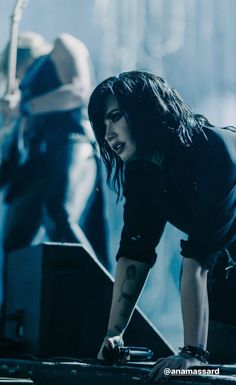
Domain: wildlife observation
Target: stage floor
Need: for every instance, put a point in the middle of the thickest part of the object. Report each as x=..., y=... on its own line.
x=92, y=372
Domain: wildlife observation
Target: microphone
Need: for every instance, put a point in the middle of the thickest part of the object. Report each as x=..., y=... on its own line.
x=127, y=353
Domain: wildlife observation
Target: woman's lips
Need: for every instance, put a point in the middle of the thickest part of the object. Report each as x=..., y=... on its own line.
x=119, y=148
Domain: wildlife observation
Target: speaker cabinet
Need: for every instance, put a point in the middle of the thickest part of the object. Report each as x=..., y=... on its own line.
x=63, y=297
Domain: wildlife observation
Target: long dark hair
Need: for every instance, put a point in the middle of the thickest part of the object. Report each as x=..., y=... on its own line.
x=154, y=111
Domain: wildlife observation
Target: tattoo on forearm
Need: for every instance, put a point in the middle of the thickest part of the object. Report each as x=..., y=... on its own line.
x=130, y=275
x=118, y=328
x=126, y=296
x=131, y=272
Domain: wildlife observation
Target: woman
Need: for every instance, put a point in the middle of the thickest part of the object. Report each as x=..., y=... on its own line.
x=171, y=165
x=45, y=201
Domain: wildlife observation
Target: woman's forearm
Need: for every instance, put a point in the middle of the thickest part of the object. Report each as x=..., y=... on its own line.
x=64, y=98
x=194, y=301
x=129, y=282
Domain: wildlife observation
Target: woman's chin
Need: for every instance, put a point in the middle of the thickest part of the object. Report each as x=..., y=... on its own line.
x=127, y=157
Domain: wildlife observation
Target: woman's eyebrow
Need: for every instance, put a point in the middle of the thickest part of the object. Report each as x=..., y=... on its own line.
x=109, y=113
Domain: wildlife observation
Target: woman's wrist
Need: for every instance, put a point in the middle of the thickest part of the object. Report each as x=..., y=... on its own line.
x=195, y=352
x=114, y=333
x=26, y=108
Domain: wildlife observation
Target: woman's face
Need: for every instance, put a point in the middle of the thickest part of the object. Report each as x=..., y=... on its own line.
x=117, y=133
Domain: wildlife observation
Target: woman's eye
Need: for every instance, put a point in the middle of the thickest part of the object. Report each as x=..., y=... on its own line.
x=116, y=117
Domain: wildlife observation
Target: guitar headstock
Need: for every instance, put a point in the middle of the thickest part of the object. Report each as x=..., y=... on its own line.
x=18, y=8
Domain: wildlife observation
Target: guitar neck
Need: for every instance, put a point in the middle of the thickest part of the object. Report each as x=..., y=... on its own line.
x=12, y=53
x=12, y=58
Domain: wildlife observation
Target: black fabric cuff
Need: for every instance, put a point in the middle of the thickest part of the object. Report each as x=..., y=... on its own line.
x=146, y=257
x=207, y=259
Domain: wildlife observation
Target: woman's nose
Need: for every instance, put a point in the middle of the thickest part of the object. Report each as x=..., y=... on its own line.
x=110, y=133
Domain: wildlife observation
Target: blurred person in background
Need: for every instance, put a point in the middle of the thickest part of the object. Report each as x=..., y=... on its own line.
x=173, y=166
x=49, y=162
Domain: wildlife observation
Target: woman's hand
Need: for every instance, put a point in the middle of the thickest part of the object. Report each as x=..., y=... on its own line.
x=162, y=369
x=9, y=105
x=110, y=343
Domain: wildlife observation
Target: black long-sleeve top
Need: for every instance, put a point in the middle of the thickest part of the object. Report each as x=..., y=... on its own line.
x=194, y=190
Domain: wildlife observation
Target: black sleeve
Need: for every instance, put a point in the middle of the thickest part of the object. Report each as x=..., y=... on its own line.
x=143, y=225
x=214, y=225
